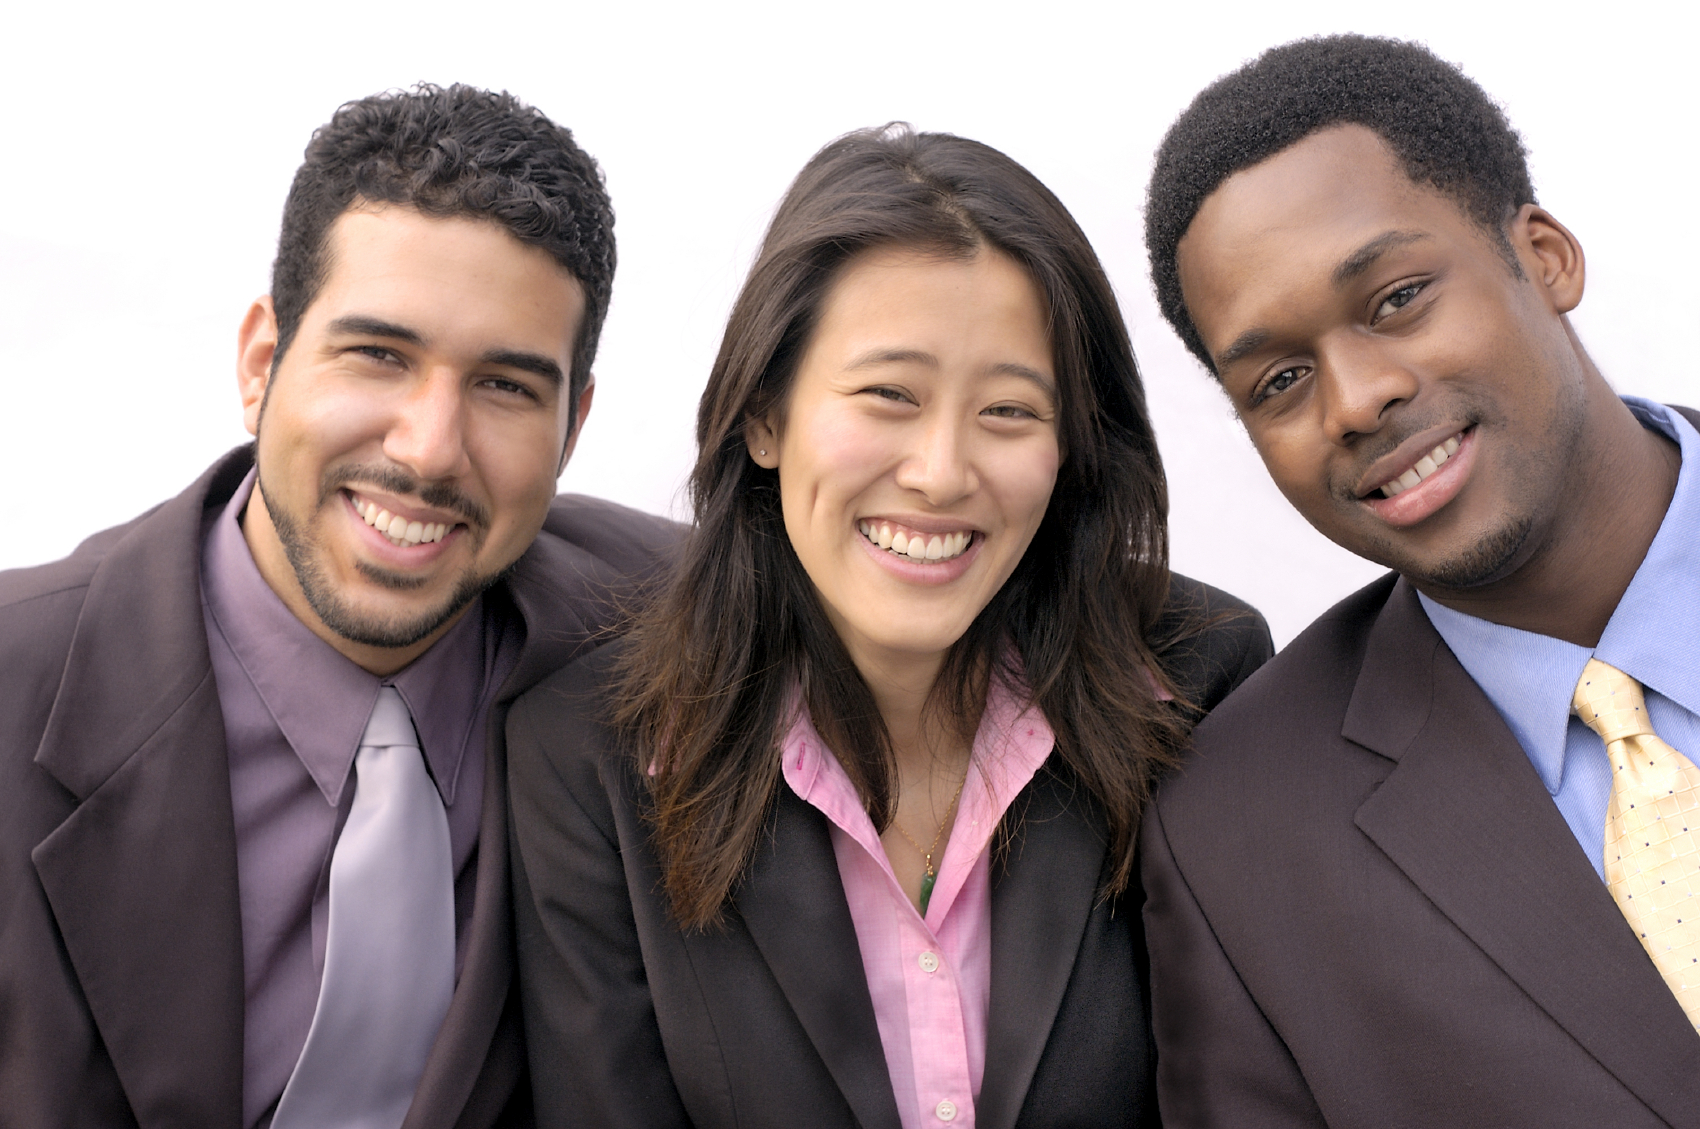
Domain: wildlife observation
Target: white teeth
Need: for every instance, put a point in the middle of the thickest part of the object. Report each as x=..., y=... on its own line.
x=1425, y=466
x=397, y=528
x=918, y=546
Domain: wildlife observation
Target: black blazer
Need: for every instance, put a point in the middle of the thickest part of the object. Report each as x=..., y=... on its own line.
x=1364, y=909
x=768, y=1021
x=121, y=998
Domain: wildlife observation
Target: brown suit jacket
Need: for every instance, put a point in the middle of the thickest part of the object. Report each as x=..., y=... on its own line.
x=1364, y=909
x=121, y=989
x=635, y=1023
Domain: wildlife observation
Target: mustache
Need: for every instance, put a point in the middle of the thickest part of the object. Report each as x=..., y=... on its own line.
x=394, y=480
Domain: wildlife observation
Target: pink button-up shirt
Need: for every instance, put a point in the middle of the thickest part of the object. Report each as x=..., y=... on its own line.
x=930, y=978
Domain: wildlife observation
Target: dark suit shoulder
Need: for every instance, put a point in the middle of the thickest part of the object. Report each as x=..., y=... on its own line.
x=1209, y=641
x=1280, y=732
x=560, y=727
x=632, y=543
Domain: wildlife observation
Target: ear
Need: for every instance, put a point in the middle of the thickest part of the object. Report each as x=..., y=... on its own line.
x=762, y=440
x=256, y=344
x=1551, y=255
x=581, y=410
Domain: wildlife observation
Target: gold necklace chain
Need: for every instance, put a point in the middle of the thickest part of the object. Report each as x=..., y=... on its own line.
x=927, y=855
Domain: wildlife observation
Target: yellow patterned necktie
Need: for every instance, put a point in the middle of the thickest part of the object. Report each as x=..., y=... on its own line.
x=1652, y=829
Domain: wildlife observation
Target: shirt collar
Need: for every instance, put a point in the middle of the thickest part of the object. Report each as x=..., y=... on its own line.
x=321, y=700
x=1653, y=635
x=1011, y=743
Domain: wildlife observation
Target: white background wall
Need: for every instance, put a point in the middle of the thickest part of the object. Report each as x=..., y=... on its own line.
x=148, y=148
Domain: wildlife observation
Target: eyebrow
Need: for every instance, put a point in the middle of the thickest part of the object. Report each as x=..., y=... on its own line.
x=1248, y=342
x=526, y=362
x=360, y=325
x=1364, y=257
x=917, y=356
x=1351, y=267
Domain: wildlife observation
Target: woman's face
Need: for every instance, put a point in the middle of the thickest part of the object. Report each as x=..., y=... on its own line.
x=917, y=447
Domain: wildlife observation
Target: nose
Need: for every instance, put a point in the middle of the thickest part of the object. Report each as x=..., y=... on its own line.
x=939, y=465
x=427, y=434
x=1360, y=383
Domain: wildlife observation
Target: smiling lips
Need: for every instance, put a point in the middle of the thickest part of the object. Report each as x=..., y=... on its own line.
x=914, y=544
x=1424, y=467
x=398, y=529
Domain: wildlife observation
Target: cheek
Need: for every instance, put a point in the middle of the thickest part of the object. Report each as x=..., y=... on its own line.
x=828, y=461
x=517, y=467
x=1025, y=479
x=305, y=412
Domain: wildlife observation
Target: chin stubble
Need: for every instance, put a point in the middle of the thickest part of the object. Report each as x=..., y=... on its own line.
x=1483, y=562
x=301, y=550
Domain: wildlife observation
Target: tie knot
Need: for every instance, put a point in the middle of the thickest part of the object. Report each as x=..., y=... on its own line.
x=390, y=723
x=1610, y=703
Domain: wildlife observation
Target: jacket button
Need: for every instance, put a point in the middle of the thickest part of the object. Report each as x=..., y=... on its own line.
x=946, y=1110
x=929, y=962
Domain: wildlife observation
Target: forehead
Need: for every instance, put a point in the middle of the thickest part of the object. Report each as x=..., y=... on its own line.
x=1292, y=220
x=396, y=260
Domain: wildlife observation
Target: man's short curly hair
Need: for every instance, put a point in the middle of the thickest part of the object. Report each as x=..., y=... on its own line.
x=450, y=151
x=1444, y=128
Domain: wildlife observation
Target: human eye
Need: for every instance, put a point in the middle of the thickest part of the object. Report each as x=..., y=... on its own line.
x=1277, y=382
x=888, y=393
x=380, y=353
x=1398, y=300
x=1011, y=411
x=509, y=386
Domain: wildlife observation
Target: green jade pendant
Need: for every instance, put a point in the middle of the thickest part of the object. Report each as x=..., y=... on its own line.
x=927, y=881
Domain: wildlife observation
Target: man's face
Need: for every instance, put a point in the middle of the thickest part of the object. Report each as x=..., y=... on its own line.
x=410, y=438
x=1376, y=341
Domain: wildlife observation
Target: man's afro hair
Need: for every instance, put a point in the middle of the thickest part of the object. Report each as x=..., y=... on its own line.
x=1444, y=128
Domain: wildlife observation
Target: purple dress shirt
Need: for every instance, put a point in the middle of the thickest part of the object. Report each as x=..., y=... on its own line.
x=294, y=711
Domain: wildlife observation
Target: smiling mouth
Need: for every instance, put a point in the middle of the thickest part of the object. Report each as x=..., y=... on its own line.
x=398, y=529
x=915, y=545
x=1423, y=467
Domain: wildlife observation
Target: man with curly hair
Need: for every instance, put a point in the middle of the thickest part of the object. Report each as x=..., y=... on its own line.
x=1433, y=864
x=253, y=844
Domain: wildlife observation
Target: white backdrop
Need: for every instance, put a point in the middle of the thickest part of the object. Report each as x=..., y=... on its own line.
x=149, y=148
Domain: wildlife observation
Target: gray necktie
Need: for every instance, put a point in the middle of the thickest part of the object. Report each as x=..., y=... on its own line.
x=390, y=945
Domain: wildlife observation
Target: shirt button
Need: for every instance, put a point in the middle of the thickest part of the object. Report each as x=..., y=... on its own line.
x=946, y=1110
x=929, y=962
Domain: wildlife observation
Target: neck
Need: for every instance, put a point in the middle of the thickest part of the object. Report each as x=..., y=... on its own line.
x=922, y=741
x=1569, y=586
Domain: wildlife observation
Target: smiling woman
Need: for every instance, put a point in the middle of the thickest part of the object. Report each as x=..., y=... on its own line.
x=846, y=824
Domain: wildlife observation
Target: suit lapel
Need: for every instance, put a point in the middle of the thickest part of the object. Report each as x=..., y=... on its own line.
x=551, y=590
x=1466, y=818
x=793, y=905
x=1041, y=900
x=142, y=875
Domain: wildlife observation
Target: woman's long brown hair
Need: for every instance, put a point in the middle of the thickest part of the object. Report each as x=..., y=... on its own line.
x=707, y=678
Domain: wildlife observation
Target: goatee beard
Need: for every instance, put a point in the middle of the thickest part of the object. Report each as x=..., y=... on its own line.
x=301, y=550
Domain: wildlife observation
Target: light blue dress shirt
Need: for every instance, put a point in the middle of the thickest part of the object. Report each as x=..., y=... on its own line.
x=1653, y=636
